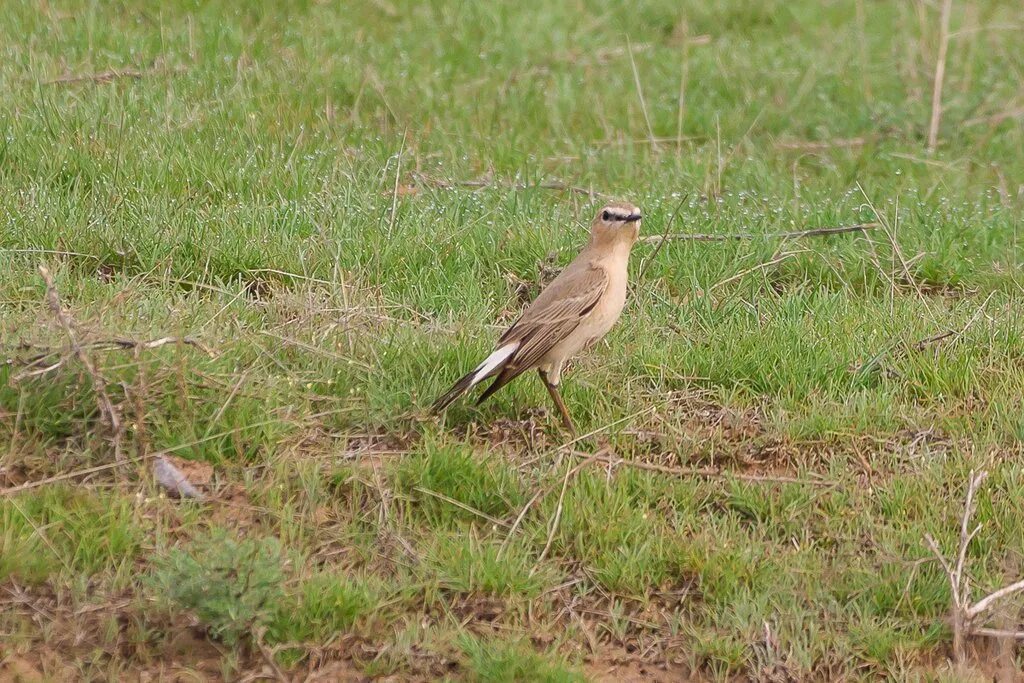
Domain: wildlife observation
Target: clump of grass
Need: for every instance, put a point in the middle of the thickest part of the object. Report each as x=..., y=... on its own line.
x=499, y=661
x=232, y=586
x=627, y=545
x=325, y=605
x=56, y=528
x=468, y=564
x=486, y=485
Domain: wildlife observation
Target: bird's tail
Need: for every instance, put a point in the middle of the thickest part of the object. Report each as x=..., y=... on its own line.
x=492, y=364
x=450, y=396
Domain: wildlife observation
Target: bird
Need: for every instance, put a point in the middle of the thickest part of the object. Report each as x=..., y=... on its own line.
x=573, y=312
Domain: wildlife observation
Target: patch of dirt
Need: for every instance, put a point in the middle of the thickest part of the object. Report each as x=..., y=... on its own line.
x=103, y=629
x=186, y=655
x=230, y=507
x=180, y=478
x=518, y=438
x=364, y=450
x=41, y=666
x=478, y=609
x=619, y=633
x=70, y=639
x=339, y=672
x=615, y=666
x=198, y=473
x=694, y=431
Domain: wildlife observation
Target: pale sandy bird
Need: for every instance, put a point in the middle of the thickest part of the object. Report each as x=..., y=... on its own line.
x=574, y=311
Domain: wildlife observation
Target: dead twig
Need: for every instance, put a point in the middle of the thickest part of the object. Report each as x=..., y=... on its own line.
x=570, y=472
x=640, y=96
x=107, y=409
x=460, y=504
x=35, y=365
x=704, y=472
x=50, y=252
x=519, y=519
x=761, y=266
x=625, y=142
x=398, y=178
x=996, y=119
x=664, y=235
x=564, y=447
x=816, y=232
x=268, y=656
x=75, y=474
x=922, y=344
x=955, y=334
x=964, y=615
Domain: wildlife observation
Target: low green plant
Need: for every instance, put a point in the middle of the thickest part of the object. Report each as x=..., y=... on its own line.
x=326, y=604
x=231, y=585
x=504, y=662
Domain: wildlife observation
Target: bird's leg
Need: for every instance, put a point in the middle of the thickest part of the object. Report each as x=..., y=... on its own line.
x=557, y=398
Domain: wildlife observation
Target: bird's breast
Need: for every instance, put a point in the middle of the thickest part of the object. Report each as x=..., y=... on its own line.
x=595, y=324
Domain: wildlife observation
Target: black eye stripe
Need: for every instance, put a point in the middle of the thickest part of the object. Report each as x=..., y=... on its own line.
x=615, y=216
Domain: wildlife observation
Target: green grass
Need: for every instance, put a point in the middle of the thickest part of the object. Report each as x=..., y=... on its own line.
x=281, y=183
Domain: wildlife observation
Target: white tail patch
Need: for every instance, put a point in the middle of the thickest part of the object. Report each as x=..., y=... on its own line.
x=492, y=361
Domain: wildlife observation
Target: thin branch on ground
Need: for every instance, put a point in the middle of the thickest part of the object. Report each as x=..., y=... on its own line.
x=640, y=96
x=50, y=252
x=268, y=656
x=624, y=142
x=520, y=517
x=107, y=408
x=570, y=472
x=922, y=344
x=398, y=179
x=816, y=232
x=761, y=266
x=75, y=474
x=459, y=504
x=964, y=615
x=664, y=236
x=35, y=365
x=996, y=119
x=705, y=472
x=566, y=447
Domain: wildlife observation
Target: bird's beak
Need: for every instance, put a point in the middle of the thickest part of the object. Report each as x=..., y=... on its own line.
x=633, y=217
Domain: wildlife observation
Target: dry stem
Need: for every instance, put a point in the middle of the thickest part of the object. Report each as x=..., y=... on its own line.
x=940, y=75
x=964, y=615
x=816, y=232
x=107, y=409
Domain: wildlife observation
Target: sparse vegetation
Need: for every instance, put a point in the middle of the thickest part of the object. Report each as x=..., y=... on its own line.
x=327, y=205
x=232, y=586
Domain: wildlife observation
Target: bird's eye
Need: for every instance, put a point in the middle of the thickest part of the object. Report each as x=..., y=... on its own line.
x=606, y=216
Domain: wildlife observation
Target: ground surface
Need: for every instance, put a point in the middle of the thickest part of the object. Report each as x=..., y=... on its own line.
x=335, y=201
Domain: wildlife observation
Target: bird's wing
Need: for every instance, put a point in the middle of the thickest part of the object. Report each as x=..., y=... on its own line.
x=554, y=315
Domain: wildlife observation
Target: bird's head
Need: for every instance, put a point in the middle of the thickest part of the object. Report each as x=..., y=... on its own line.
x=615, y=223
